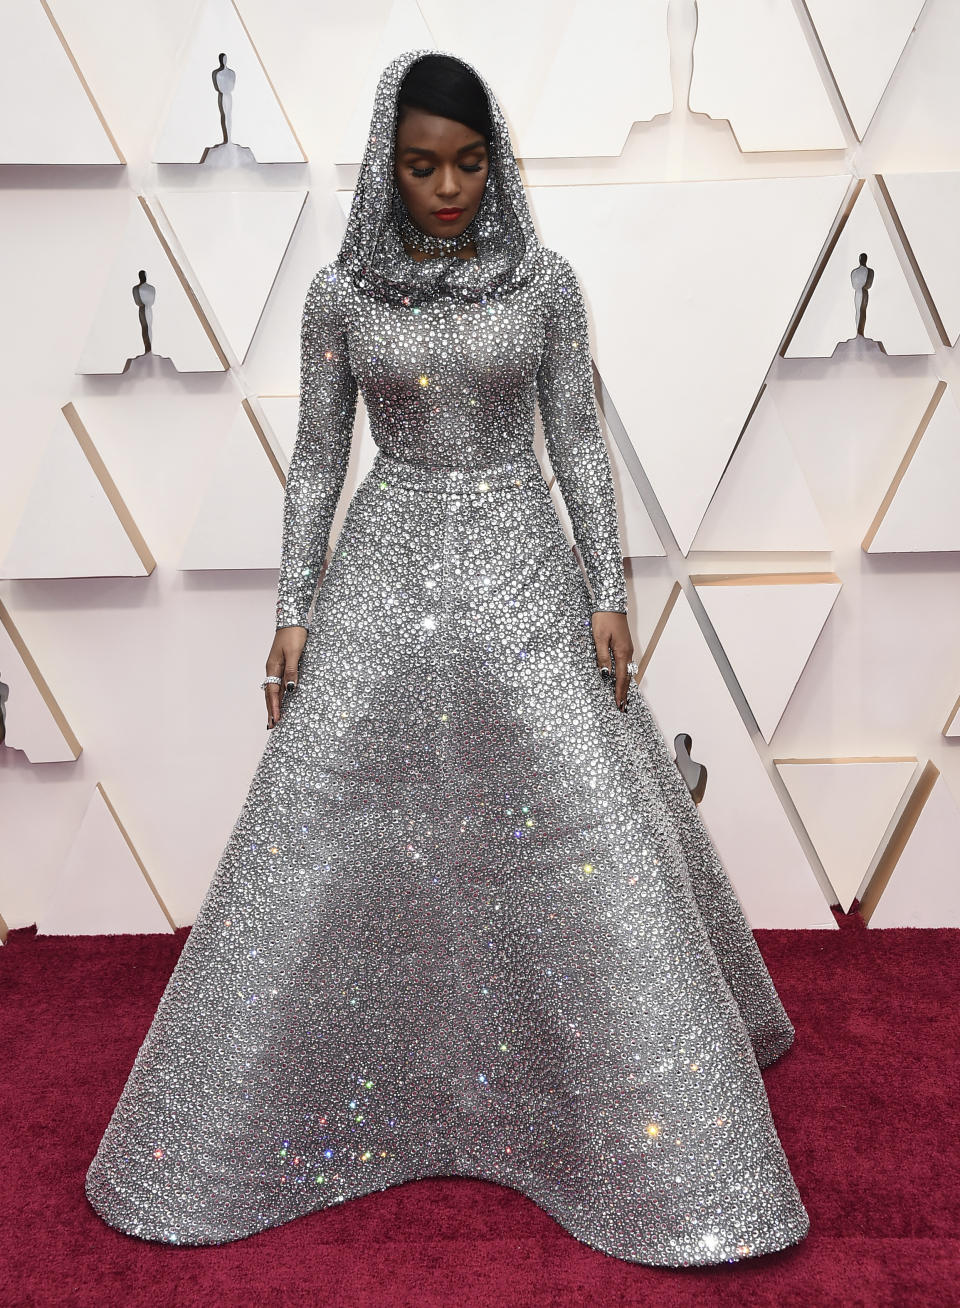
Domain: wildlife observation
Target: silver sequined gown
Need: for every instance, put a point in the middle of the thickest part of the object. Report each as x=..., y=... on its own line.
x=469, y=921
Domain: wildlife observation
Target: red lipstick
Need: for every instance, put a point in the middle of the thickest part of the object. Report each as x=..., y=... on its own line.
x=447, y=215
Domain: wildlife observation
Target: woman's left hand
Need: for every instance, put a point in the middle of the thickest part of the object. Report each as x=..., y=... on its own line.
x=612, y=632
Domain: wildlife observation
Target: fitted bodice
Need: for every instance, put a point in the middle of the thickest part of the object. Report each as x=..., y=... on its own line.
x=445, y=383
x=448, y=383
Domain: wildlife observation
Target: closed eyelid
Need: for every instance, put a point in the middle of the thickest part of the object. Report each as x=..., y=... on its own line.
x=421, y=161
x=428, y=167
x=430, y=158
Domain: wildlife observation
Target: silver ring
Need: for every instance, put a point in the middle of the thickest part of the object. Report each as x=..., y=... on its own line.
x=270, y=681
x=633, y=668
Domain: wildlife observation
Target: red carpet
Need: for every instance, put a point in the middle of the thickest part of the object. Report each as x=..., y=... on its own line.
x=866, y=1104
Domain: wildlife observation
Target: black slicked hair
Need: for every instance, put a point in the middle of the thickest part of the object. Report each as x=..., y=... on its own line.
x=443, y=85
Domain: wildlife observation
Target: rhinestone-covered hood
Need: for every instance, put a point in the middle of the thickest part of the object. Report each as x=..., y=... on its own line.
x=372, y=253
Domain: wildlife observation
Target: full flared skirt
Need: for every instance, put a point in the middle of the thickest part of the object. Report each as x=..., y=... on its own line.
x=469, y=922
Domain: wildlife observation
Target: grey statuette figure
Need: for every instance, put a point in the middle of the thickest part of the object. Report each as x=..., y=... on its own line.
x=469, y=921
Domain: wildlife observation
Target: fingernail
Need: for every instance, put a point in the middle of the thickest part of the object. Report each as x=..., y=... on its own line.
x=605, y=673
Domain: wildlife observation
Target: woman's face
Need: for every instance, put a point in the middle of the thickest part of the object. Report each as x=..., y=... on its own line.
x=439, y=164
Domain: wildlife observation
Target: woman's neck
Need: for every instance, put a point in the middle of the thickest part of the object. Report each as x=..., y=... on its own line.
x=468, y=252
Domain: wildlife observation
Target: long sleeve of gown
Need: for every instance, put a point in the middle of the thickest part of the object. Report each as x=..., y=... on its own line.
x=574, y=440
x=321, y=452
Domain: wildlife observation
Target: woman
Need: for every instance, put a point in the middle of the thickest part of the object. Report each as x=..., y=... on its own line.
x=469, y=921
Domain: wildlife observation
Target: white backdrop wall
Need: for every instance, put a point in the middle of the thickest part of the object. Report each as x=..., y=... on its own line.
x=790, y=488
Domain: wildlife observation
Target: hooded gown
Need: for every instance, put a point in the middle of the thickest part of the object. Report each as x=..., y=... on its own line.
x=469, y=921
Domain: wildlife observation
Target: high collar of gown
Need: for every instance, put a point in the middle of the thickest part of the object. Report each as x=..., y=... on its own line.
x=372, y=252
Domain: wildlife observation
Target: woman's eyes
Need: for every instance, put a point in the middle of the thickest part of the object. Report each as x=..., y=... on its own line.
x=467, y=168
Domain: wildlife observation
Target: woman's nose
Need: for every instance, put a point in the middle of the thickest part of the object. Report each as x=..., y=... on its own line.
x=449, y=184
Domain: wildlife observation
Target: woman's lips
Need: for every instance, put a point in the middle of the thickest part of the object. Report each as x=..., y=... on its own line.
x=447, y=215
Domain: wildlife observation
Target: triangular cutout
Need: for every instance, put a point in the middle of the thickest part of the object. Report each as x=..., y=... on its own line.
x=928, y=206
x=682, y=385
x=753, y=67
x=103, y=887
x=846, y=806
x=147, y=300
x=221, y=231
x=889, y=317
x=238, y=524
x=921, y=510
x=916, y=883
x=768, y=624
x=863, y=42
x=74, y=522
x=47, y=112
x=686, y=693
x=763, y=501
x=236, y=87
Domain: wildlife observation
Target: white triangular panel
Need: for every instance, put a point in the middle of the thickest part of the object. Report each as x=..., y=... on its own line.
x=830, y=316
x=35, y=723
x=923, y=512
x=850, y=431
x=924, y=887
x=101, y=889
x=46, y=113
x=767, y=630
x=258, y=131
x=763, y=501
x=746, y=820
x=637, y=533
x=403, y=28
x=176, y=331
x=281, y=413
x=863, y=41
x=221, y=231
x=73, y=523
x=238, y=524
x=620, y=67
x=704, y=288
x=753, y=66
x=928, y=206
x=846, y=806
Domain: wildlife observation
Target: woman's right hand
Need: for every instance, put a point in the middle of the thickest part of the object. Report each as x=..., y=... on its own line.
x=283, y=661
